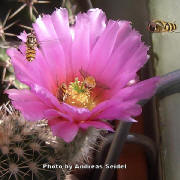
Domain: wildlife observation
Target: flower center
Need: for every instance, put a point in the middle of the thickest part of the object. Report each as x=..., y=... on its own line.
x=78, y=93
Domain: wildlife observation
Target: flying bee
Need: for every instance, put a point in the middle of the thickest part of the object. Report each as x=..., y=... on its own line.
x=90, y=81
x=62, y=92
x=161, y=26
x=31, y=45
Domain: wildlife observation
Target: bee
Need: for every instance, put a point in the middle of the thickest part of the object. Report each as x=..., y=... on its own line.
x=90, y=81
x=31, y=45
x=161, y=26
x=62, y=92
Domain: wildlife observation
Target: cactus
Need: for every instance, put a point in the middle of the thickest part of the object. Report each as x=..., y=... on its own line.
x=23, y=151
x=26, y=146
x=7, y=76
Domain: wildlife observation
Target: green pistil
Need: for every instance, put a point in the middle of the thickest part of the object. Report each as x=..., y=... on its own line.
x=78, y=86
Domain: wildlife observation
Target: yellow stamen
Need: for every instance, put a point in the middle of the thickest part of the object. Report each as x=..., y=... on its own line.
x=79, y=95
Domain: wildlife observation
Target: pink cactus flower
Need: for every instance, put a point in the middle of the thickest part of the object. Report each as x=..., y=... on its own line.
x=83, y=74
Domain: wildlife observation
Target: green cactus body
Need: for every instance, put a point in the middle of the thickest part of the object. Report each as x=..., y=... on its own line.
x=25, y=147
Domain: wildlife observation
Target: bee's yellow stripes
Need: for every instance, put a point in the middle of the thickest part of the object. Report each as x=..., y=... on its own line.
x=167, y=27
x=162, y=26
x=30, y=54
x=30, y=51
x=174, y=26
x=31, y=45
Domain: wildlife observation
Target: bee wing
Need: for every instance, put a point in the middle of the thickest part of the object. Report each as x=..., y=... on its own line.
x=101, y=85
x=41, y=44
x=9, y=44
x=98, y=84
x=48, y=41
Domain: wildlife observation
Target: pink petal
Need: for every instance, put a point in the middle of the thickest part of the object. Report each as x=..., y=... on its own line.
x=133, y=81
x=46, y=96
x=60, y=22
x=116, y=109
x=87, y=29
x=99, y=55
x=51, y=47
x=52, y=114
x=121, y=112
x=142, y=90
x=65, y=130
x=21, y=95
x=28, y=72
x=81, y=44
x=23, y=36
x=49, y=99
x=96, y=124
x=78, y=114
x=64, y=33
x=131, y=50
x=30, y=106
x=97, y=24
x=130, y=69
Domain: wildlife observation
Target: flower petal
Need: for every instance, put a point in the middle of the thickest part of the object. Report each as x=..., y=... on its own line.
x=66, y=130
x=110, y=51
x=106, y=41
x=30, y=72
x=97, y=24
x=125, y=61
x=46, y=96
x=77, y=114
x=65, y=33
x=96, y=124
x=51, y=47
x=52, y=114
x=81, y=44
x=116, y=109
x=60, y=21
x=23, y=36
x=140, y=91
x=129, y=70
x=30, y=106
